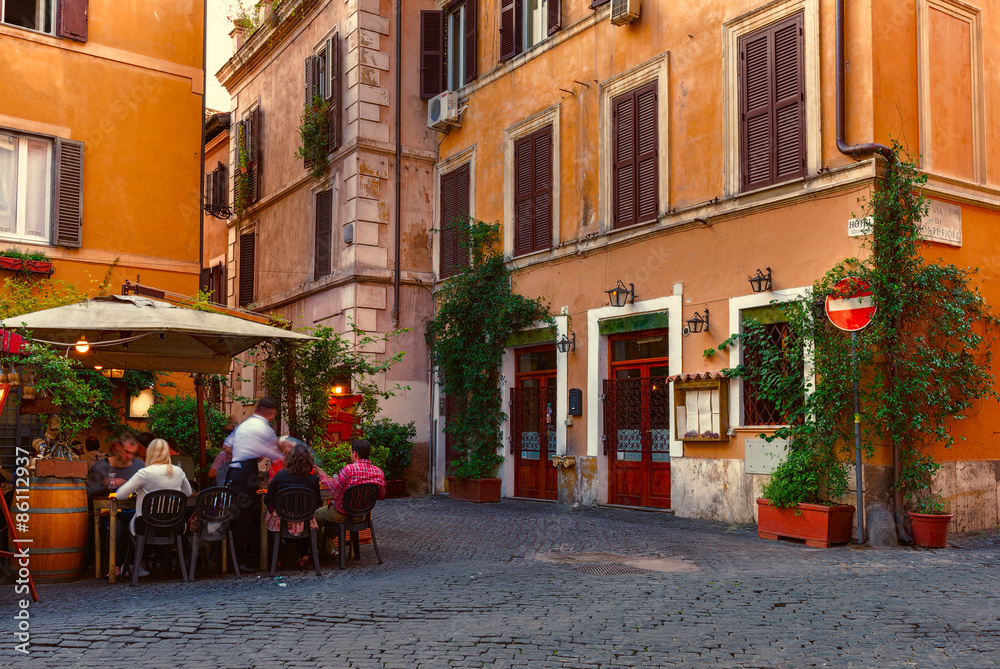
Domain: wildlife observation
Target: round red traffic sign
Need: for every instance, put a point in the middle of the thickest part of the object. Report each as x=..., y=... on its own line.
x=851, y=306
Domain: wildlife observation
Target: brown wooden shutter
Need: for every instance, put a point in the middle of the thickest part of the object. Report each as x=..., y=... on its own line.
x=646, y=138
x=255, y=154
x=72, y=19
x=542, y=189
x=333, y=93
x=772, y=104
x=324, y=233
x=471, y=39
x=462, y=178
x=311, y=67
x=789, y=100
x=523, y=185
x=431, y=53
x=205, y=280
x=222, y=185
x=247, y=258
x=511, y=28
x=554, y=10
x=67, y=215
x=446, y=264
x=623, y=160
x=210, y=188
x=217, y=283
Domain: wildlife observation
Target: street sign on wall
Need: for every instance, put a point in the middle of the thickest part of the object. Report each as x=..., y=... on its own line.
x=851, y=306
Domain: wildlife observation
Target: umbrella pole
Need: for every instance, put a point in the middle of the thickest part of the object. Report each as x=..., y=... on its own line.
x=199, y=387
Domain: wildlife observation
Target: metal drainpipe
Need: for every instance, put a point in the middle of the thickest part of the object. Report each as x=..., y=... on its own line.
x=201, y=171
x=399, y=160
x=854, y=152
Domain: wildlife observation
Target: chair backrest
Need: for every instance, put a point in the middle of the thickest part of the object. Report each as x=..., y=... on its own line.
x=360, y=499
x=215, y=505
x=296, y=504
x=164, y=508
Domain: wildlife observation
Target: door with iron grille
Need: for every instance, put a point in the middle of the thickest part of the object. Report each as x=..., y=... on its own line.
x=533, y=424
x=637, y=421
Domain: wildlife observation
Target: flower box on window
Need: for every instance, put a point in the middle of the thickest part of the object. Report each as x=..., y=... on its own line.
x=702, y=409
x=25, y=265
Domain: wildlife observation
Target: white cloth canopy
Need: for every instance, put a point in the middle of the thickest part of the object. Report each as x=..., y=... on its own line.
x=142, y=333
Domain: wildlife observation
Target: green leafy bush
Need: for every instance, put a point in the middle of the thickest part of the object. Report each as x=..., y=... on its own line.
x=395, y=440
x=175, y=419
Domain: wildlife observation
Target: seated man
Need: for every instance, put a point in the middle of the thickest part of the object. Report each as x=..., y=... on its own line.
x=360, y=470
x=108, y=475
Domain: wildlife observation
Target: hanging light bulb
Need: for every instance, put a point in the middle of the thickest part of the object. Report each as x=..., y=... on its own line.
x=82, y=346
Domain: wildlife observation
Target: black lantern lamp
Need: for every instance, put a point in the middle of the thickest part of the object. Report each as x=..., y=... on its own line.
x=619, y=296
x=698, y=323
x=566, y=344
x=761, y=283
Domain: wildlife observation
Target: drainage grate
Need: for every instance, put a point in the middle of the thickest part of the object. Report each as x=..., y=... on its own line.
x=611, y=569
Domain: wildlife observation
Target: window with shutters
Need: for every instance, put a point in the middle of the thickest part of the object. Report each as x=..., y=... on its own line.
x=322, y=81
x=213, y=282
x=533, y=192
x=248, y=243
x=248, y=152
x=454, y=205
x=25, y=187
x=525, y=23
x=216, y=189
x=772, y=104
x=324, y=234
x=32, y=14
x=635, y=156
x=448, y=42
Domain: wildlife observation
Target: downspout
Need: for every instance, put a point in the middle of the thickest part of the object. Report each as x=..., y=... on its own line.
x=399, y=160
x=854, y=152
x=204, y=106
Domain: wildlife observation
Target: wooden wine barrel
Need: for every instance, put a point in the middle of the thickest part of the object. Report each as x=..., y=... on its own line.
x=57, y=526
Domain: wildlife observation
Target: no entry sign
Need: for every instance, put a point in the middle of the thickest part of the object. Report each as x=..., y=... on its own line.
x=851, y=307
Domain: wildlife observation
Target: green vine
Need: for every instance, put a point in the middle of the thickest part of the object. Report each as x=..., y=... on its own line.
x=924, y=361
x=477, y=310
x=243, y=182
x=314, y=133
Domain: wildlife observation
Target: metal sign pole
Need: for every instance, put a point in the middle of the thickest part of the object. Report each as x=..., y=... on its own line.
x=857, y=439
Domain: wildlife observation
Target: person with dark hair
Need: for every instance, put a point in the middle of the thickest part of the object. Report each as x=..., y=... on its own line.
x=253, y=439
x=360, y=470
x=108, y=475
x=296, y=473
x=145, y=439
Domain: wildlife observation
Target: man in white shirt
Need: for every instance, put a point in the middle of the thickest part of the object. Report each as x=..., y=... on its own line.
x=253, y=439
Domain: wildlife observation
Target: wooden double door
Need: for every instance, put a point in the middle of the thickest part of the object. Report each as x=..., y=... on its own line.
x=533, y=425
x=637, y=425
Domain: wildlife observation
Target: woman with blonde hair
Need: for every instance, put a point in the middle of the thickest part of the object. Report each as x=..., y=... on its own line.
x=158, y=474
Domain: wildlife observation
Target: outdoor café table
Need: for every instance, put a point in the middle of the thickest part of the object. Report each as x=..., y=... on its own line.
x=265, y=565
x=113, y=505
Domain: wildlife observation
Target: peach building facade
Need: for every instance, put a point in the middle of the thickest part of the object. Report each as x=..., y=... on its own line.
x=677, y=152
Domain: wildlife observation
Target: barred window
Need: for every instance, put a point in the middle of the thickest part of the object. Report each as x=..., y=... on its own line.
x=757, y=410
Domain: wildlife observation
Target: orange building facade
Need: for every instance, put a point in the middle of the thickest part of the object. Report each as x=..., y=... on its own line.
x=100, y=155
x=675, y=151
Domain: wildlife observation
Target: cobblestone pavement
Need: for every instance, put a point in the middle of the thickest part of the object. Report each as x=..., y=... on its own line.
x=519, y=584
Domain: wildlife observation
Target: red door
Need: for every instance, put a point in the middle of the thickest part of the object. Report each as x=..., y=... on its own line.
x=533, y=424
x=637, y=421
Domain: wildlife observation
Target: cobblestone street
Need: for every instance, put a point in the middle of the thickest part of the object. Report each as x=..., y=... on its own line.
x=527, y=584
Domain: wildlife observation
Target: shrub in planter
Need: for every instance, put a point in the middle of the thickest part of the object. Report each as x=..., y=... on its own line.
x=396, y=441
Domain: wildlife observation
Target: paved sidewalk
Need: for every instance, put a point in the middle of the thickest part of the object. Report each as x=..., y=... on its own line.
x=522, y=584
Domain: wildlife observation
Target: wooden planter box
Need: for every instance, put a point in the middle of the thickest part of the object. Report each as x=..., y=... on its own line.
x=395, y=489
x=474, y=490
x=20, y=265
x=819, y=525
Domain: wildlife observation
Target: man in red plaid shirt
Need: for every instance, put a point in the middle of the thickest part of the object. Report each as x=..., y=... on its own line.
x=361, y=470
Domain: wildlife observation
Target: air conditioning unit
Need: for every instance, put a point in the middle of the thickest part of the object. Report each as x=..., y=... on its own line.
x=624, y=11
x=442, y=111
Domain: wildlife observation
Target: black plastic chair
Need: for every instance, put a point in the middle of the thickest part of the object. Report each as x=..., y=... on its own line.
x=359, y=500
x=295, y=505
x=215, y=506
x=163, y=512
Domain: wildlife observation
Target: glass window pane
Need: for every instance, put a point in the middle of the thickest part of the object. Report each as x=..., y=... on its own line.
x=8, y=182
x=641, y=348
x=536, y=361
x=38, y=188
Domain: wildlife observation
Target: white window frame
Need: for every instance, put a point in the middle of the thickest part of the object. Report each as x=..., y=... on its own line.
x=745, y=24
x=541, y=10
x=511, y=135
x=51, y=4
x=21, y=190
x=655, y=69
x=455, y=46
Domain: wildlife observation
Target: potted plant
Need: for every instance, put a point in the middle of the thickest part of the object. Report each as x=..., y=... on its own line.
x=476, y=311
x=396, y=440
x=314, y=133
x=929, y=522
x=31, y=262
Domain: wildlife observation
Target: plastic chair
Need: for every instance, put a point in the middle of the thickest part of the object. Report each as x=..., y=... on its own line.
x=295, y=505
x=214, y=506
x=359, y=500
x=163, y=512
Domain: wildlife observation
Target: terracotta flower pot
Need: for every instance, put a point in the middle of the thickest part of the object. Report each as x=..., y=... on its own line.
x=819, y=525
x=930, y=530
x=395, y=488
x=474, y=490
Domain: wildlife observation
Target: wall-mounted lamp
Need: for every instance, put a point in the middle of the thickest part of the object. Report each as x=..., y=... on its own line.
x=82, y=346
x=566, y=344
x=760, y=283
x=619, y=296
x=698, y=323
x=338, y=390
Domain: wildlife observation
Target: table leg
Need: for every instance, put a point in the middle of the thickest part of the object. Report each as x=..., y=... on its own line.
x=112, y=541
x=264, y=563
x=97, y=543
